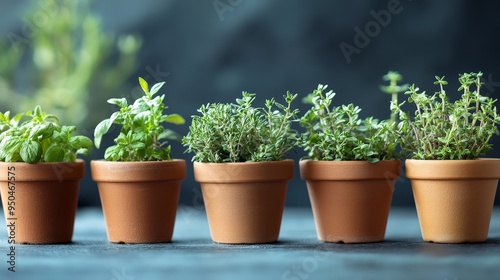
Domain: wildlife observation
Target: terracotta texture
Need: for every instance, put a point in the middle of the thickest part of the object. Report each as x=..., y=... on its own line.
x=350, y=199
x=45, y=198
x=139, y=199
x=454, y=198
x=244, y=201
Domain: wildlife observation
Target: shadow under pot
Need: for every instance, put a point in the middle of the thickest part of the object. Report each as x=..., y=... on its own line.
x=244, y=201
x=139, y=199
x=40, y=200
x=454, y=198
x=350, y=199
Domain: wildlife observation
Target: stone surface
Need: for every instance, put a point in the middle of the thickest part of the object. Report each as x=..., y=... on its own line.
x=298, y=254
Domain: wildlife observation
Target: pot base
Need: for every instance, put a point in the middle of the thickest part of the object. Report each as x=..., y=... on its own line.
x=45, y=197
x=454, y=198
x=244, y=201
x=350, y=199
x=139, y=199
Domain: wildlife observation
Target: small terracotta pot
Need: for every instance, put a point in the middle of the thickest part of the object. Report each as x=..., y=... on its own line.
x=245, y=200
x=454, y=198
x=139, y=199
x=350, y=199
x=44, y=198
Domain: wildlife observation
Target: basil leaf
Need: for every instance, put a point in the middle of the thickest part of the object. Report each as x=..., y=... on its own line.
x=31, y=151
x=55, y=153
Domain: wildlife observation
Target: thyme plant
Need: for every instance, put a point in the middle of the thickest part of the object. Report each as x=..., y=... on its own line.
x=141, y=133
x=39, y=139
x=338, y=133
x=239, y=132
x=440, y=129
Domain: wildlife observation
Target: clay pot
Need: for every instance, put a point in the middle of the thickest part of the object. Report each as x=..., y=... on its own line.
x=244, y=201
x=350, y=199
x=454, y=198
x=139, y=199
x=44, y=198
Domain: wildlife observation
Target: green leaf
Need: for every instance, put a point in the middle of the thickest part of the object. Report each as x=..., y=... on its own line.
x=69, y=157
x=111, y=153
x=83, y=151
x=137, y=145
x=31, y=152
x=142, y=117
x=78, y=142
x=51, y=117
x=55, y=153
x=144, y=86
x=122, y=102
x=101, y=129
x=173, y=118
x=114, y=117
x=156, y=88
x=169, y=135
x=67, y=130
x=17, y=118
x=38, y=111
x=5, y=118
x=43, y=130
x=10, y=146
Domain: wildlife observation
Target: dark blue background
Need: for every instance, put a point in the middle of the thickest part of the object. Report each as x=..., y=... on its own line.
x=269, y=47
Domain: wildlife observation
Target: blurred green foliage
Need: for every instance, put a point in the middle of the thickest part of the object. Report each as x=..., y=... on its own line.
x=62, y=60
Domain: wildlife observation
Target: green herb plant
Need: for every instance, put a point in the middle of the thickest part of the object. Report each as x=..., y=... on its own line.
x=338, y=132
x=240, y=133
x=142, y=132
x=39, y=139
x=440, y=129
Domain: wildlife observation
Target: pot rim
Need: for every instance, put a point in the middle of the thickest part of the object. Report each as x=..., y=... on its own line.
x=482, y=168
x=45, y=171
x=138, y=162
x=138, y=171
x=323, y=170
x=242, y=172
x=244, y=162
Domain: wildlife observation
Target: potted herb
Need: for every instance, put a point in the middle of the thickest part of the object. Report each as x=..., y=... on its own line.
x=139, y=182
x=453, y=189
x=239, y=161
x=350, y=170
x=40, y=176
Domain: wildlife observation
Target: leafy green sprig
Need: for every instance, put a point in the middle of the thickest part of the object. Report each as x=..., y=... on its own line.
x=142, y=132
x=393, y=77
x=440, y=129
x=338, y=133
x=239, y=132
x=39, y=139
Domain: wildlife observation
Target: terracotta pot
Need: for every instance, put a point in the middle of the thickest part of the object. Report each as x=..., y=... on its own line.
x=44, y=197
x=139, y=199
x=244, y=201
x=350, y=199
x=454, y=198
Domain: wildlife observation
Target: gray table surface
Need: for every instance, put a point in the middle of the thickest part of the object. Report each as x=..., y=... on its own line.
x=297, y=256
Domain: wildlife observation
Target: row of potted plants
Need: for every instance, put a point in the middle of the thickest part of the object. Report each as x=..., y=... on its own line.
x=239, y=160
